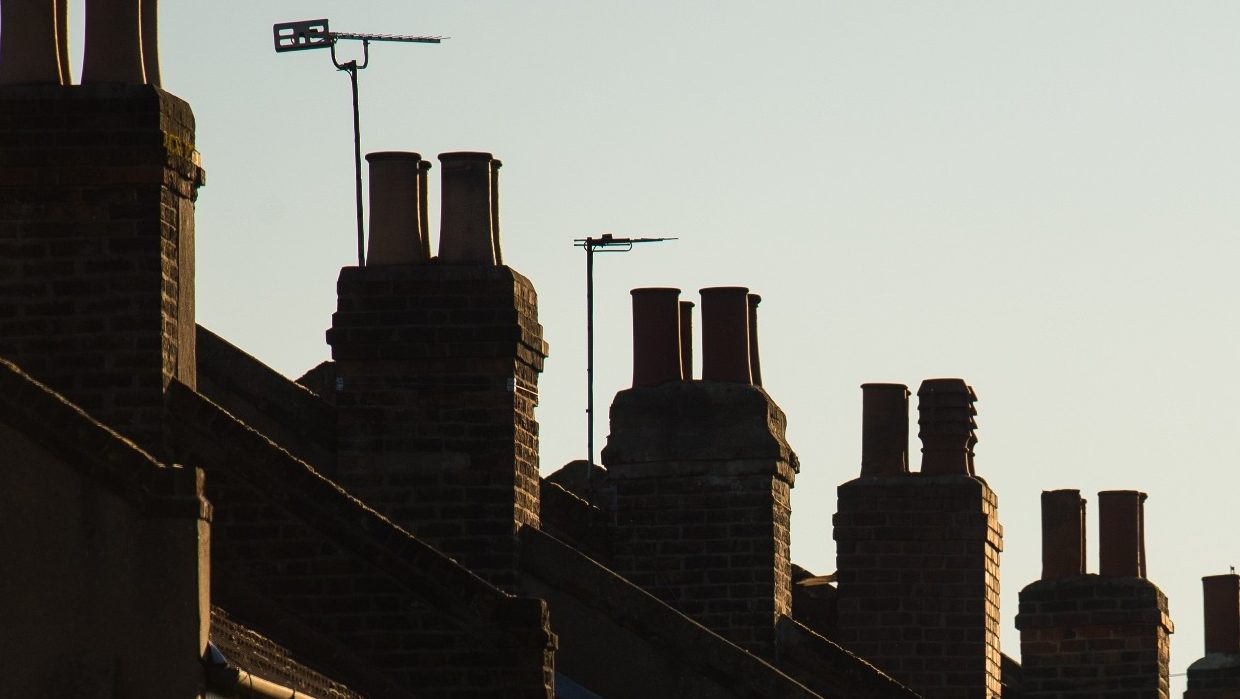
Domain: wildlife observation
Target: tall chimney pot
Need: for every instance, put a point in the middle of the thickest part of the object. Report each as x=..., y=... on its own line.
x=466, y=219
x=656, y=336
x=755, y=366
x=423, y=208
x=686, y=340
x=725, y=334
x=884, y=429
x=1063, y=534
x=33, y=36
x=1121, y=533
x=1221, y=594
x=395, y=209
x=113, y=43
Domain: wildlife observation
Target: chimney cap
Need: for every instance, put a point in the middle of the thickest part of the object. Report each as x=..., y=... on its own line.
x=465, y=155
x=654, y=290
x=393, y=155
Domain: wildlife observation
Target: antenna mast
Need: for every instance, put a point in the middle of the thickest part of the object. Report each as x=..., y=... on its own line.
x=315, y=34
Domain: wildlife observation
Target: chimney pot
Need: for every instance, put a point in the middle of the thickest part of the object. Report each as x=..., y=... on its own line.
x=1221, y=595
x=32, y=42
x=466, y=225
x=1121, y=533
x=755, y=366
x=395, y=209
x=725, y=334
x=150, y=40
x=686, y=340
x=1063, y=534
x=656, y=336
x=113, y=43
x=884, y=429
x=945, y=421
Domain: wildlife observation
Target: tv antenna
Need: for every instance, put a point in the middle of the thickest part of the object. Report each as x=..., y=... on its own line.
x=604, y=243
x=315, y=34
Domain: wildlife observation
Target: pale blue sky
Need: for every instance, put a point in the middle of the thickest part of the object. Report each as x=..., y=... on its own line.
x=1040, y=198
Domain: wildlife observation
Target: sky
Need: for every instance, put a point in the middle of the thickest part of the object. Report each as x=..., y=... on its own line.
x=1040, y=198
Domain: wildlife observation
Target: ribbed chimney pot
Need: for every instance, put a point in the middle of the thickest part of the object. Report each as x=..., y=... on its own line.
x=395, y=209
x=725, y=334
x=1121, y=545
x=945, y=421
x=31, y=36
x=1221, y=594
x=686, y=340
x=466, y=220
x=884, y=429
x=656, y=336
x=113, y=43
x=1063, y=534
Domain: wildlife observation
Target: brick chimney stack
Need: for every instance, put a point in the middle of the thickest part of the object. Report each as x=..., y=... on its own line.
x=1216, y=675
x=702, y=475
x=98, y=184
x=918, y=553
x=1101, y=635
x=438, y=365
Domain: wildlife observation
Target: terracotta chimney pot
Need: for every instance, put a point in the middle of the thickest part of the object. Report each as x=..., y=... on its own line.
x=423, y=207
x=884, y=429
x=395, y=209
x=686, y=340
x=33, y=39
x=755, y=366
x=1221, y=595
x=466, y=220
x=150, y=41
x=1063, y=534
x=1121, y=533
x=113, y=43
x=725, y=334
x=656, y=336
x=945, y=421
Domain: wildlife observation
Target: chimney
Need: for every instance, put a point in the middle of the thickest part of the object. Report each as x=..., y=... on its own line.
x=884, y=429
x=1121, y=535
x=686, y=339
x=1104, y=636
x=438, y=367
x=1217, y=674
x=96, y=240
x=113, y=43
x=702, y=476
x=725, y=334
x=917, y=554
x=467, y=230
x=34, y=43
x=1063, y=534
x=396, y=235
x=656, y=336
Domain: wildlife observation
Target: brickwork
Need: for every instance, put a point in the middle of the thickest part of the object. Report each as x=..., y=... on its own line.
x=918, y=573
x=702, y=476
x=97, y=189
x=315, y=554
x=1094, y=636
x=437, y=370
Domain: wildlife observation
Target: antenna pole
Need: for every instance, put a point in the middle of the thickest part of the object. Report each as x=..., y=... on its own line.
x=351, y=67
x=589, y=359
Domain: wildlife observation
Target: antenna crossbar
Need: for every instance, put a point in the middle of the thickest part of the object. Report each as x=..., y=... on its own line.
x=361, y=36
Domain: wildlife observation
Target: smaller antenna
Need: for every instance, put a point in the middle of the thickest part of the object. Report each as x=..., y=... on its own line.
x=311, y=34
